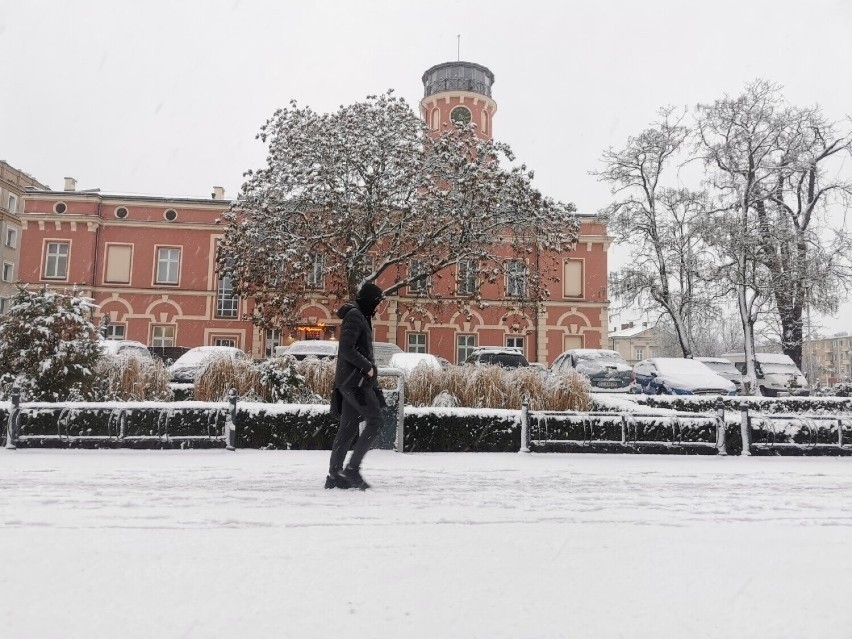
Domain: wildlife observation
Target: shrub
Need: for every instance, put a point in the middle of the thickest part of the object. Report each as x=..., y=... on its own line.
x=48, y=347
x=223, y=373
x=130, y=378
x=280, y=380
x=319, y=377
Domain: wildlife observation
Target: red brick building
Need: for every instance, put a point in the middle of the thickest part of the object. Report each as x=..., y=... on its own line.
x=149, y=263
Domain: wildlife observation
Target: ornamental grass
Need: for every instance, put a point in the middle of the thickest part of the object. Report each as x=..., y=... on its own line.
x=131, y=378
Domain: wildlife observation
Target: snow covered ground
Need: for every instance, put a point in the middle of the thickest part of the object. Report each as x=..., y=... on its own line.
x=248, y=544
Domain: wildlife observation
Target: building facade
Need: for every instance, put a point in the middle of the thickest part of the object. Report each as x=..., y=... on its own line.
x=150, y=265
x=635, y=341
x=827, y=360
x=13, y=186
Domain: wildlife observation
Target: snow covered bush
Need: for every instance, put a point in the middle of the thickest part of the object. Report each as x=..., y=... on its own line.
x=49, y=347
x=319, y=377
x=130, y=378
x=273, y=380
x=281, y=380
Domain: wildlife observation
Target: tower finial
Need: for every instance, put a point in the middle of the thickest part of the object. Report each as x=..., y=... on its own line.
x=458, y=47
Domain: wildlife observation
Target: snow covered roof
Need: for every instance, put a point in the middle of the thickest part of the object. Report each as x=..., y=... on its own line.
x=632, y=331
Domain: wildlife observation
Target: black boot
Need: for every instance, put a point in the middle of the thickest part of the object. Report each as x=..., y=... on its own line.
x=352, y=476
x=334, y=479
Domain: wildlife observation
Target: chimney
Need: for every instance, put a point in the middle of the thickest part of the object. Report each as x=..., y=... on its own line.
x=218, y=193
x=70, y=184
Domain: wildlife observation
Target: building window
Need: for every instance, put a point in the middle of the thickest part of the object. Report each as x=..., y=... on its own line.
x=226, y=302
x=60, y=207
x=273, y=339
x=168, y=265
x=162, y=336
x=56, y=261
x=515, y=341
x=13, y=203
x=170, y=215
x=8, y=271
x=416, y=343
x=3, y=303
x=315, y=274
x=415, y=268
x=121, y=212
x=572, y=341
x=464, y=347
x=516, y=279
x=115, y=331
x=640, y=354
x=572, y=281
x=466, y=277
x=118, y=259
x=11, y=237
x=224, y=341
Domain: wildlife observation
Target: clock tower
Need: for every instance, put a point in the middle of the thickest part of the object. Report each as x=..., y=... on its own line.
x=458, y=92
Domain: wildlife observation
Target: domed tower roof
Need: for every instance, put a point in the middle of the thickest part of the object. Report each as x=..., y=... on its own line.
x=458, y=91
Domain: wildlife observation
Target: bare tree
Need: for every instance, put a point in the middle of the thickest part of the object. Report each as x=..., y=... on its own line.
x=369, y=190
x=666, y=254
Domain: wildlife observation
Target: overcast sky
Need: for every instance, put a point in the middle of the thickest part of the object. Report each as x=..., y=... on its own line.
x=165, y=98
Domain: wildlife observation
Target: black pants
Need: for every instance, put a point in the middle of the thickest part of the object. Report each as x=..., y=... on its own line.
x=352, y=413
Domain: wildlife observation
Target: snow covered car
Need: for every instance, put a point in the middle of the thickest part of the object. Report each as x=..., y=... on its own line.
x=188, y=365
x=679, y=376
x=777, y=374
x=606, y=370
x=407, y=362
x=327, y=349
x=725, y=368
x=506, y=356
x=126, y=347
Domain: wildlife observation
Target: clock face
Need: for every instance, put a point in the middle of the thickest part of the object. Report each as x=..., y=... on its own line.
x=460, y=115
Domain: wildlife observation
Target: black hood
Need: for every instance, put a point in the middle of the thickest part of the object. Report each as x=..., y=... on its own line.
x=343, y=310
x=368, y=298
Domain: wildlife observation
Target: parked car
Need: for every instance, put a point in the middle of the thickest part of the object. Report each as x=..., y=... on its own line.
x=126, y=347
x=679, y=376
x=777, y=374
x=407, y=362
x=606, y=370
x=188, y=365
x=318, y=348
x=725, y=368
x=327, y=349
x=506, y=356
x=168, y=354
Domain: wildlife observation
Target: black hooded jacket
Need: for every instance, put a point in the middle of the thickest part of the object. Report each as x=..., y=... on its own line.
x=355, y=350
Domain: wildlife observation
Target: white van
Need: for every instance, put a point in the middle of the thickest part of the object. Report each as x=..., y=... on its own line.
x=777, y=375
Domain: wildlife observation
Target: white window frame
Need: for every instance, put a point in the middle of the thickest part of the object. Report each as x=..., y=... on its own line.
x=163, y=335
x=55, y=261
x=516, y=341
x=416, y=343
x=466, y=277
x=8, y=271
x=639, y=351
x=11, y=239
x=115, y=331
x=465, y=343
x=418, y=287
x=168, y=259
x=316, y=276
x=516, y=278
x=12, y=203
x=227, y=304
x=273, y=339
x=225, y=341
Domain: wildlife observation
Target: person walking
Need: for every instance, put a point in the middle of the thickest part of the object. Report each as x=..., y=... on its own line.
x=356, y=396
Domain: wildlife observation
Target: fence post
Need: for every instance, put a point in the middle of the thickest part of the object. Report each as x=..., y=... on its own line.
x=721, y=444
x=745, y=429
x=400, y=415
x=231, y=421
x=840, y=432
x=14, y=419
x=525, y=432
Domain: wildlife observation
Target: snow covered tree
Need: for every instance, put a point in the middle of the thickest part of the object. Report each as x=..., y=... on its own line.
x=370, y=191
x=48, y=346
x=666, y=258
x=768, y=161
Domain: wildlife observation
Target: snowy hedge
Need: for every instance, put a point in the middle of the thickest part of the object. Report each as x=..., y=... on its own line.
x=703, y=404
